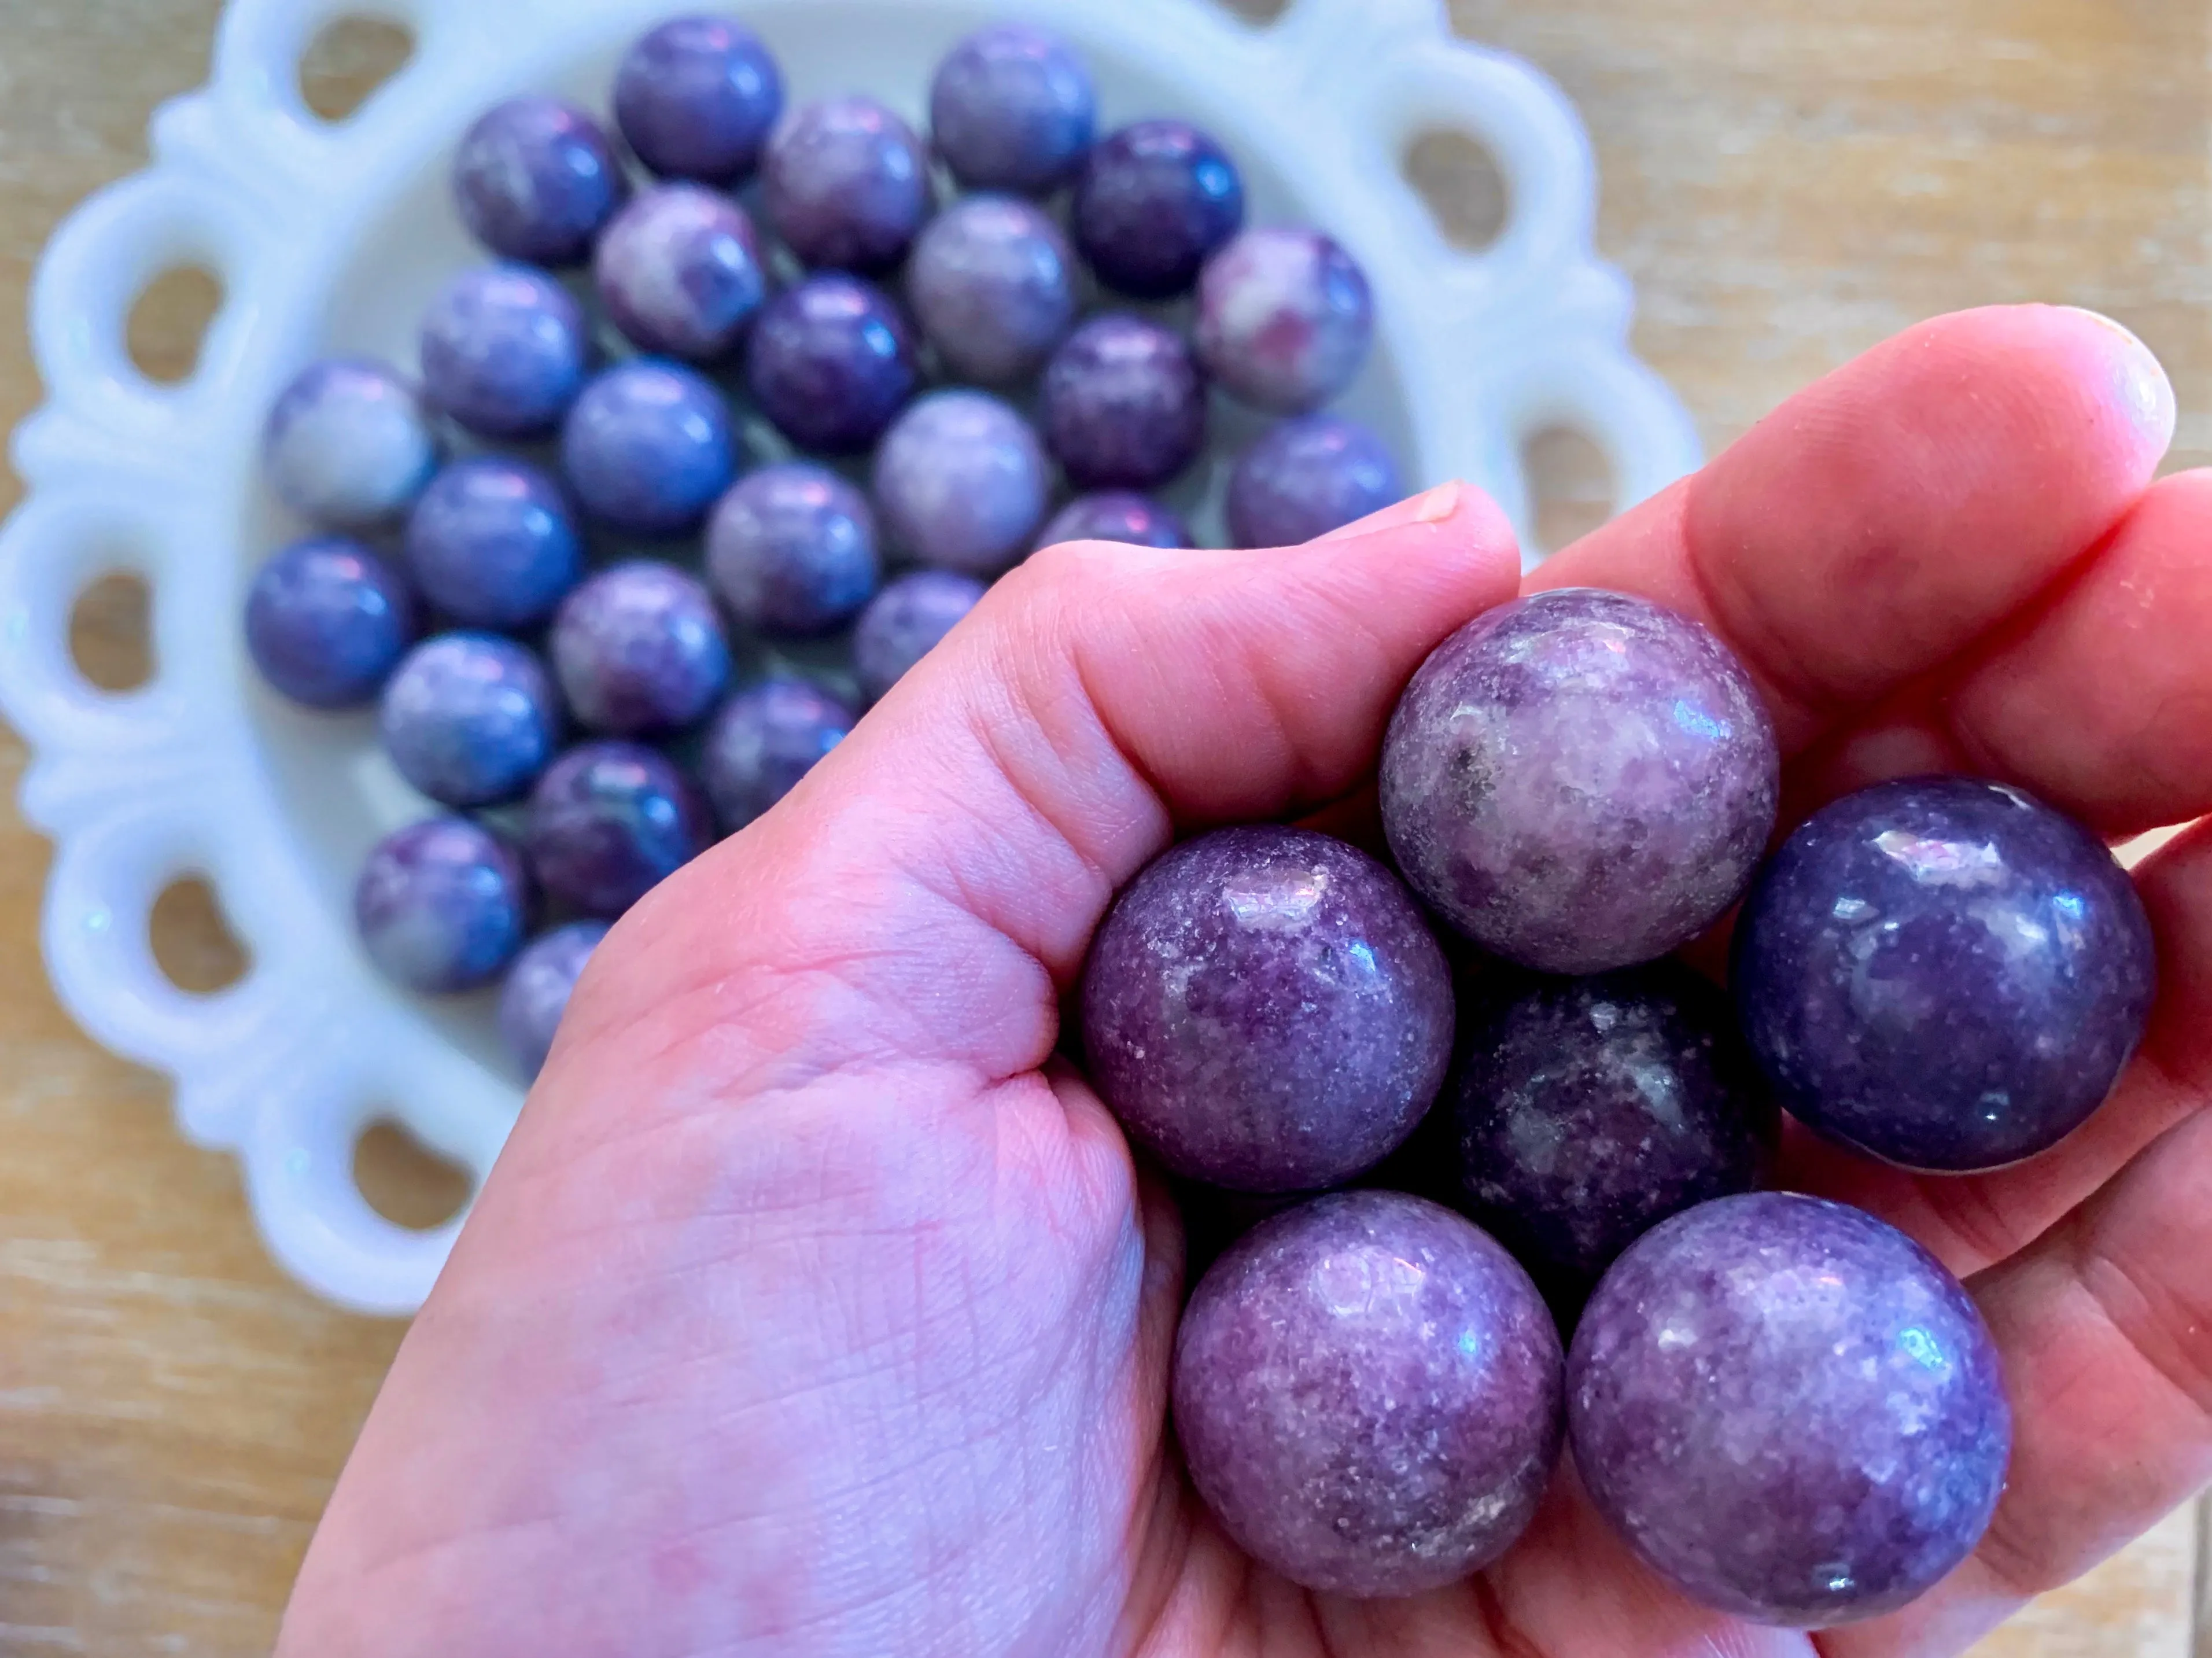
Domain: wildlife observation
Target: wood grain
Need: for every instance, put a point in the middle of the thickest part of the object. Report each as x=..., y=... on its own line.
x=1787, y=181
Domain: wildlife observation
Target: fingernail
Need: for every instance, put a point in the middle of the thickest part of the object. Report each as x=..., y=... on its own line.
x=1434, y=507
x=2140, y=381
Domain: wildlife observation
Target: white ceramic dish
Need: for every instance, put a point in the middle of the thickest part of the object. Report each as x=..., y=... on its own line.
x=331, y=236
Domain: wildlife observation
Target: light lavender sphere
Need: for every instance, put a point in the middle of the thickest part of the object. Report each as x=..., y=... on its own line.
x=1367, y=1392
x=1580, y=781
x=349, y=445
x=442, y=906
x=1013, y=108
x=766, y=739
x=904, y=623
x=535, y=179
x=537, y=989
x=471, y=719
x=640, y=650
x=1789, y=1410
x=961, y=483
x=1116, y=515
x=791, y=550
x=1284, y=319
x=846, y=184
x=696, y=98
x=648, y=448
x=992, y=284
x=504, y=349
x=680, y=271
x=1307, y=478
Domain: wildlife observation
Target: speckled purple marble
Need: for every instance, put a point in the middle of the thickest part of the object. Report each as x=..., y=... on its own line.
x=1013, y=108
x=535, y=179
x=326, y=621
x=348, y=444
x=1944, y=973
x=791, y=550
x=766, y=739
x=1284, y=319
x=830, y=363
x=904, y=623
x=1306, y=477
x=1587, y=1110
x=640, y=650
x=442, y=906
x=471, y=719
x=992, y=284
x=1116, y=515
x=846, y=184
x=537, y=989
x=680, y=271
x=961, y=482
x=697, y=97
x=1789, y=1409
x=648, y=448
x=492, y=543
x=609, y=822
x=1367, y=1391
x=1580, y=781
x=1123, y=405
x=1264, y=1010
x=504, y=351
x=1152, y=202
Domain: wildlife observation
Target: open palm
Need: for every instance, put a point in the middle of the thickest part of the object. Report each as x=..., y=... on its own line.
x=815, y=1307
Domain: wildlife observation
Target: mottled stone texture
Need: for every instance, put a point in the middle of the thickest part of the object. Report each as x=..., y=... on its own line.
x=846, y=185
x=1944, y=973
x=961, y=483
x=1117, y=515
x=1013, y=108
x=504, y=349
x=647, y=447
x=442, y=906
x=609, y=822
x=1308, y=476
x=1152, y=202
x=1789, y=1409
x=791, y=550
x=680, y=271
x=534, y=178
x=537, y=989
x=1264, y=1010
x=640, y=650
x=1367, y=1390
x=1123, y=405
x=992, y=284
x=1580, y=781
x=471, y=719
x=348, y=444
x=1285, y=318
x=492, y=543
x=326, y=621
x=765, y=739
x=830, y=363
x=697, y=97
x=904, y=623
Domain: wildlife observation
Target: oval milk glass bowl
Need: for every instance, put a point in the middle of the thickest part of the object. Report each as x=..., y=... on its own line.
x=331, y=237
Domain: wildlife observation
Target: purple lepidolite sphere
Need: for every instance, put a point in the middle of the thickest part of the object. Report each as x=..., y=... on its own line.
x=1789, y=1409
x=1284, y=319
x=1152, y=202
x=680, y=271
x=697, y=97
x=326, y=622
x=640, y=650
x=610, y=820
x=1944, y=973
x=792, y=550
x=830, y=363
x=537, y=989
x=1116, y=515
x=1123, y=405
x=442, y=906
x=961, y=482
x=471, y=719
x=1013, y=108
x=492, y=543
x=1367, y=1391
x=846, y=185
x=904, y=623
x=993, y=285
x=348, y=444
x=1265, y=1009
x=648, y=448
x=766, y=739
x=504, y=351
x=1306, y=477
x=1580, y=781
x=1587, y=1110
x=535, y=179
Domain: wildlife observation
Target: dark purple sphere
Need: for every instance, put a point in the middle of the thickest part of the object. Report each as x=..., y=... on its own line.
x=326, y=622
x=1306, y=477
x=846, y=185
x=1116, y=515
x=1367, y=1391
x=792, y=550
x=679, y=272
x=831, y=363
x=1152, y=202
x=961, y=483
x=492, y=544
x=1789, y=1410
x=1264, y=1010
x=993, y=285
x=648, y=448
x=1123, y=405
x=537, y=989
x=766, y=739
x=1580, y=781
x=1944, y=973
x=504, y=351
x=640, y=650
x=904, y=623
x=696, y=99
x=1284, y=319
x=442, y=906
x=1013, y=108
x=609, y=822
x=471, y=719
x=535, y=179
x=348, y=444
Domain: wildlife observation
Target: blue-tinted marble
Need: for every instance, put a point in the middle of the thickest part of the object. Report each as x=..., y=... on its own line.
x=326, y=622
x=831, y=363
x=535, y=179
x=766, y=739
x=697, y=97
x=348, y=444
x=679, y=272
x=492, y=543
x=992, y=284
x=961, y=483
x=1013, y=108
x=846, y=185
x=1116, y=515
x=1123, y=405
x=1152, y=202
x=442, y=906
x=1306, y=477
x=648, y=448
x=640, y=650
x=791, y=550
x=471, y=719
x=537, y=989
x=904, y=623
x=610, y=821
x=504, y=351
x=1284, y=319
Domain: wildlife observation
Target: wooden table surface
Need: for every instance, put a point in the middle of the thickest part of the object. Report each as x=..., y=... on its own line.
x=1787, y=181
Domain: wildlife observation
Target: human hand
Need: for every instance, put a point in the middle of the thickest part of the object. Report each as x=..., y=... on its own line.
x=815, y=1307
